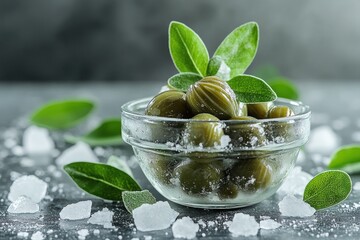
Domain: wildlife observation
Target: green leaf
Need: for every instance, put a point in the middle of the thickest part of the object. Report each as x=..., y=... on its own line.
x=327, y=189
x=217, y=67
x=250, y=89
x=108, y=133
x=187, y=50
x=347, y=159
x=120, y=164
x=101, y=180
x=182, y=81
x=266, y=72
x=62, y=114
x=284, y=88
x=239, y=48
x=135, y=199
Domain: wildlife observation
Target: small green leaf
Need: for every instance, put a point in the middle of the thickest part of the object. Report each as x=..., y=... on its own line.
x=101, y=180
x=182, y=81
x=347, y=159
x=239, y=48
x=119, y=164
x=108, y=133
x=250, y=89
x=135, y=199
x=187, y=50
x=266, y=72
x=327, y=189
x=62, y=114
x=217, y=67
x=284, y=88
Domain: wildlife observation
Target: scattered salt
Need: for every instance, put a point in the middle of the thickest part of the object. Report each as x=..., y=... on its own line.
x=83, y=233
x=103, y=217
x=291, y=206
x=23, y=205
x=96, y=231
x=295, y=183
x=156, y=216
x=244, y=225
x=269, y=224
x=36, y=141
x=323, y=140
x=22, y=234
x=76, y=211
x=37, y=236
x=79, y=152
x=185, y=228
x=29, y=186
x=356, y=186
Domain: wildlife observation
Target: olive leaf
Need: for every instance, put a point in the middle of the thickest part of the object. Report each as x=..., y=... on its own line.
x=135, y=199
x=119, y=164
x=239, y=48
x=217, y=67
x=107, y=133
x=284, y=88
x=62, y=114
x=182, y=81
x=101, y=180
x=250, y=89
x=187, y=50
x=327, y=189
x=346, y=158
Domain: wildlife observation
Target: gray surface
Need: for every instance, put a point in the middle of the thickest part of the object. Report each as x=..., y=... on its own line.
x=90, y=40
x=329, y=103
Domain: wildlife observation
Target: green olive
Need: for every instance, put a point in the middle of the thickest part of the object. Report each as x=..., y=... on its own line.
x=259, y=110
x=163, y=167
x=228, y=190
x=204, y=133
x=212, y=95
x=170, y=104
x=198, y=178
x=280, y=112
x=250, y=175
x=246, y=134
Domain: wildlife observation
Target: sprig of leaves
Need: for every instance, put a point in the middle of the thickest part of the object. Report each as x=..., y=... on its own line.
x=135, y=199
x=60, y=115
x=327, y=189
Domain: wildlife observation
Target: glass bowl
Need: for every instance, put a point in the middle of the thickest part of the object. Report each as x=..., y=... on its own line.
x=246, y=166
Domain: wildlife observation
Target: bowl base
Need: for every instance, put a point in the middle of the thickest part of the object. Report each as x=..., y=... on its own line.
x=212, y=206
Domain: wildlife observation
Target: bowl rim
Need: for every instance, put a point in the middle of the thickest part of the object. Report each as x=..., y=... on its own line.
x=304, y=114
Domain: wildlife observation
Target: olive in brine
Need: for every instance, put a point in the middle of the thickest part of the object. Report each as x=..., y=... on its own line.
x=198, y=178
x=250, y=175
x=214, y=96
x=204, y=133
x=280, y=112
x=163, y=167
x=244, y=134
x=259, y=110
x=228, y=190
x=170, y=104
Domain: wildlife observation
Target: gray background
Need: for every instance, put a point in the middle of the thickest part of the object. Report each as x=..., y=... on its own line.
x=68, y=40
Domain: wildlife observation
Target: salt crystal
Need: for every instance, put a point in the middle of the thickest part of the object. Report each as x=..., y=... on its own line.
x=50, y=231
x=36, y=141
x=76, y=211
x=103, y=217
x=156, y=216
x=22, y=234
x=14, y=175
x=146, y=237
x=185, y=228
x=269, y=224
x=323, y=140
x=301, y=157
x=23, y=205
x=29, y=186
x=244, y=225
x=356, y=186
x=295, y=182
x=83, y=233
x=96, y=231
x=201, y=223
x=79, y=152
x=291, y=206
x=37, y=236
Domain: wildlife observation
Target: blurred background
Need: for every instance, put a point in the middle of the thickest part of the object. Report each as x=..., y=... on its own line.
x=126, y=40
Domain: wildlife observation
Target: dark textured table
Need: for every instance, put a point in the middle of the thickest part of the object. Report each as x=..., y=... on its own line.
x=335, y=104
